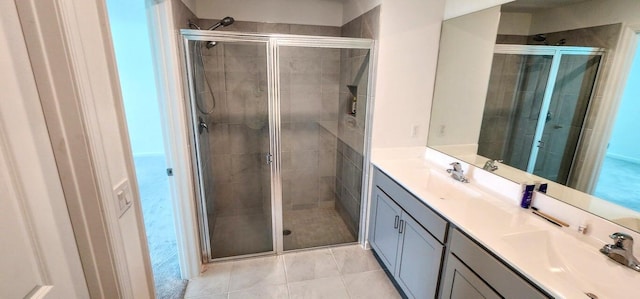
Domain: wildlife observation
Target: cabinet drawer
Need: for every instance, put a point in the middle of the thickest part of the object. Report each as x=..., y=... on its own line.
x=435, y=224
x=491, y=270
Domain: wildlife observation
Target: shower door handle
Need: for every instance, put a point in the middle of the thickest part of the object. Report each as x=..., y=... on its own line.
x=202, y=125
x=269, y=158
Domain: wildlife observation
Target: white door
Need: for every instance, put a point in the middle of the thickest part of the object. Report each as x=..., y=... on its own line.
x=38, y=253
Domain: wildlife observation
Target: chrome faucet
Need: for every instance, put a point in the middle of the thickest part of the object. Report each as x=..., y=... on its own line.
x=457, y=173
x=621, y=251
x=490, y=165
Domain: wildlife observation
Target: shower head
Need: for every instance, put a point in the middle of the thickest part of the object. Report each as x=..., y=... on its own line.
x=211, y=44
x=540, y=37
x=561, y=42
x=226, y=21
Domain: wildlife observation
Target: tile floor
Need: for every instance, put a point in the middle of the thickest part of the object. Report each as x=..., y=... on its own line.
x=315, y=227
x=240, y=234
x=341, y=272
x=246, y=234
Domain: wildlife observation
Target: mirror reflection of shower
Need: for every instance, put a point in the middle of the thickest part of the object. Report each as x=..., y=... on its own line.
x=226, y=21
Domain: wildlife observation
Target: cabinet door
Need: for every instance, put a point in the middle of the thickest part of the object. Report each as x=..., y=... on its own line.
x=419, y=261
x=384, y=228
x=462, y=283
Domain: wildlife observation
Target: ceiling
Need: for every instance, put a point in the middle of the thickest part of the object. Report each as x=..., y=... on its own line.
x=529, y=5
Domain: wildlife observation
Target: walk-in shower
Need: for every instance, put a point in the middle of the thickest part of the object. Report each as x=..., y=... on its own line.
x=279, y=159
x=536, y=106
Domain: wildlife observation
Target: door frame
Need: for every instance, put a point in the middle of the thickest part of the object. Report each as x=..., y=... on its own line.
x=273, y=43
x=613, y=88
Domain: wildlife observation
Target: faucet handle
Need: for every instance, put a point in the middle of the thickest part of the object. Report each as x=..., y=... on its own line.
x=456, y=166
x=620, y=239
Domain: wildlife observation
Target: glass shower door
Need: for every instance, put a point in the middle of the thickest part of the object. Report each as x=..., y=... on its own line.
x=231, y=132
x=514, y=99
x=323, y=94
x=565, y=116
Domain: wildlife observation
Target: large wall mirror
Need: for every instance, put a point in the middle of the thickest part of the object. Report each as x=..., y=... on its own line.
x=552, y=90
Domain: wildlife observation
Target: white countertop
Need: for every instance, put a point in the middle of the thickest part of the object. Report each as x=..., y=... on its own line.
x=559, y=260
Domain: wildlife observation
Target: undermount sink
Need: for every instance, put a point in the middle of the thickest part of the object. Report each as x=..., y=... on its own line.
x=578, y=265
x=441, y=185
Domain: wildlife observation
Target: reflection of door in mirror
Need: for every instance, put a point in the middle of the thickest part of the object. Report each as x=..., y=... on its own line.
x=536, y=105
x=619, y=179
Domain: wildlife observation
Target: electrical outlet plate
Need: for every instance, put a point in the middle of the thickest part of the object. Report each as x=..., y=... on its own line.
x=123, y=197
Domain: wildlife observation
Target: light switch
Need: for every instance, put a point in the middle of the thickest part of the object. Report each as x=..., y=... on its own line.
x=123, y=197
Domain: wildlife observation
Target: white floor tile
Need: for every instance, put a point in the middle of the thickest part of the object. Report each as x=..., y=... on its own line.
x=310, y=265
x=267, y=292
x=214, y=281
x=353, y=259
x=258, y=272
x=370, y=285
x=329, y=288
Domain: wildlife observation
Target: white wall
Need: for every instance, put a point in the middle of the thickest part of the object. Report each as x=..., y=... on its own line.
x=408, y=52
x=306, y=12
x=622, y=145
x=131, y=40
x=354, y=8
x=592, y=13
x=463, y=77
x=191, y=4
x=456, y=8
x=515, y=23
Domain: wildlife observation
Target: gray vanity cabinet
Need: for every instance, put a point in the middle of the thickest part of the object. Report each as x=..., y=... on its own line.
x=406, y=246
x=418, y=265
x=471, y=272
x=385, y=235
x=460, y=282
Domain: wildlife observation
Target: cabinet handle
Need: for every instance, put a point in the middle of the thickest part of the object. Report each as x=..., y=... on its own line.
x=395, y=224
x=401, y=226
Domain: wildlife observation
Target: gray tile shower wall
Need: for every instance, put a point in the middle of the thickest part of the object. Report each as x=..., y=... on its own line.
x=309, y=79
x=239, y=123
x=234, y=94
x=354, y=71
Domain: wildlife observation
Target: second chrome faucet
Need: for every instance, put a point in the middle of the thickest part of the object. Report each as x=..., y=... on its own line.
x=621, y=250
x=457, y=173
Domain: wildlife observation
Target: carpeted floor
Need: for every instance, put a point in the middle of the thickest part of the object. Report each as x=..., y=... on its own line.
x=158, y=220
x=619, y=183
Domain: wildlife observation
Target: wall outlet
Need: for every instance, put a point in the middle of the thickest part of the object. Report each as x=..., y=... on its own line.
x=414, y=130
x=123, y=197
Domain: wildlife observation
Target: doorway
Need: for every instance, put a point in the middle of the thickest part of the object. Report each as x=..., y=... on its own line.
x=278, y=127
x=620, y=173
x=133, y=50
x=549, y=88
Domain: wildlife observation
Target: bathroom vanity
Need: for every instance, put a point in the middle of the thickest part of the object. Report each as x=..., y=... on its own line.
x=438, y=237
x=412, y=246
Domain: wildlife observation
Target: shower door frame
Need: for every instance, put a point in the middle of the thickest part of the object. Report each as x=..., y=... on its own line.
x=273, y=43
x=557, y=52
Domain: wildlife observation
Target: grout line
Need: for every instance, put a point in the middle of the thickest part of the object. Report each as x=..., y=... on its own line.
x=286, y=275
x=340, y=274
